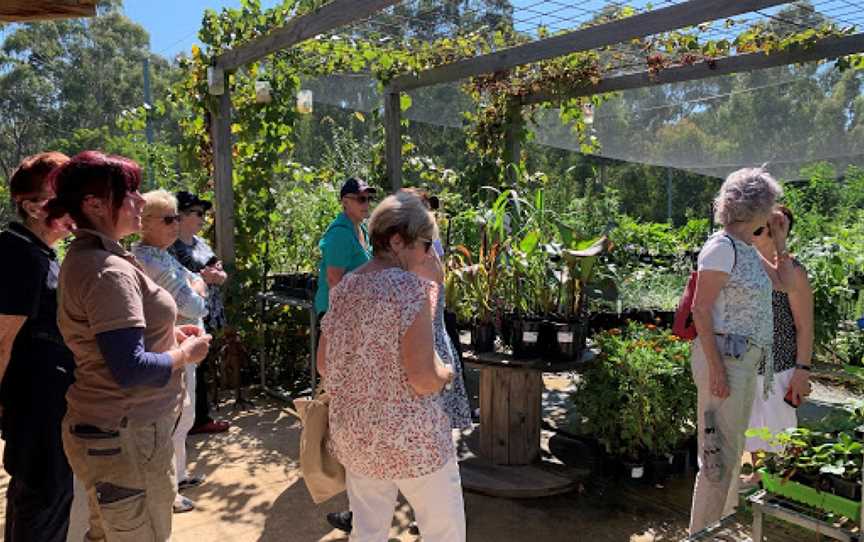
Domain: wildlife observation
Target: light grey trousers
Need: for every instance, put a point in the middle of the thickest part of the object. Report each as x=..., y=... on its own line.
x=713, y=500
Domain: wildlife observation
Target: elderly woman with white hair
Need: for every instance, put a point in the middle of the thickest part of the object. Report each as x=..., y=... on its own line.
x=160, y=228
x=733, y=317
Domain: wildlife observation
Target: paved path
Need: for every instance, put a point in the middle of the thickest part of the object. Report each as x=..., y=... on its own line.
x=253, y=494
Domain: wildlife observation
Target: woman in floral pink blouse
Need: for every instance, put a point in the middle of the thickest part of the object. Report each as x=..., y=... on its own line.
x=376, y=358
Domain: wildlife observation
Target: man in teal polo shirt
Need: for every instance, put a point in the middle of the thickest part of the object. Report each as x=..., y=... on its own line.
x=345, y=245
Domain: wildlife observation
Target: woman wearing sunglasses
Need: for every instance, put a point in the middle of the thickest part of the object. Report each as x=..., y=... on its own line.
x=793, y=339
x=195, y=254
x=37, y=364
x=129, y=354
x=733, y=315
x=160, y=228
x=388, y=426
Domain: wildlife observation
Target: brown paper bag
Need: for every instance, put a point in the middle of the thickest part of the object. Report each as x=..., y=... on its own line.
x=323, y=474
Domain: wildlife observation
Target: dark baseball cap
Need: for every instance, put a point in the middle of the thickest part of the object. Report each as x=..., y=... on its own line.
x=355, y=186
x=187, y=200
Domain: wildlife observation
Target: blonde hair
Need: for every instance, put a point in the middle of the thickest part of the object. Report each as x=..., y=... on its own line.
x=157, y=201
x=404, y=213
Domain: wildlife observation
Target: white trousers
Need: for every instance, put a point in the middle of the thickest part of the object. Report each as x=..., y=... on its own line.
x=436, y=499
x=187, y=419
x=772, y=412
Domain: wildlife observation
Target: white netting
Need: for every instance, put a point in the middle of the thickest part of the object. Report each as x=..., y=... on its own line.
x=787, y=117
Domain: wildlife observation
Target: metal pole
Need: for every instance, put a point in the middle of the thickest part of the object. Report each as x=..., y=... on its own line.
x=148, y=104
x=669, y=195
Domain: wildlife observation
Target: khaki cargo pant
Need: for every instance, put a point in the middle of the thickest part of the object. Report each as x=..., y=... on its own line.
x=128, y=473
x=715, y=500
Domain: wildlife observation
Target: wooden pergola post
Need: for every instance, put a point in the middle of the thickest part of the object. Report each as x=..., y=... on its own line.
x=393, y=138
x=223, y=175
x=513, y=141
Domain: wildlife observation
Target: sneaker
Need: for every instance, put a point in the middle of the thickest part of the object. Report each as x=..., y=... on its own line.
x=341, y=520
x=192, y=481
x=183, y=504
x=210, y=427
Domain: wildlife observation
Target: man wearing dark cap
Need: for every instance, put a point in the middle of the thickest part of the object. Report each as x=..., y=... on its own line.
x=345, y=245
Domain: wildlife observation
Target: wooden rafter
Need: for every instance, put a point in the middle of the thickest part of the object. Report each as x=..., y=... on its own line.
x=328, y=17
x=646, y=24
x=827, y=48
x=40, y=10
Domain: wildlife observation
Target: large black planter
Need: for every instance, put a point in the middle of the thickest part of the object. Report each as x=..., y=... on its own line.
x=526, y=338
x=569, y=341
x=483, y=338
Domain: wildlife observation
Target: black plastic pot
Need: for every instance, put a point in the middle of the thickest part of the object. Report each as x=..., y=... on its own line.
x=547, y=344
x=569, y=341
x=483, y=337
x=848, y=489
x=680, y=463
x=659, y=469
x=508, y=321
x=526, y=338
x=664, y=318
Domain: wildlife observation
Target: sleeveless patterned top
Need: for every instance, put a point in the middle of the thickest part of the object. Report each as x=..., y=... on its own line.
x=785, y=336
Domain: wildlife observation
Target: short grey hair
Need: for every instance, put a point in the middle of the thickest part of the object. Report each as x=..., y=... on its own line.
x=745, y=194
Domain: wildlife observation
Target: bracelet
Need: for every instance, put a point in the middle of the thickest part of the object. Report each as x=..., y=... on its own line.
x=803, y=367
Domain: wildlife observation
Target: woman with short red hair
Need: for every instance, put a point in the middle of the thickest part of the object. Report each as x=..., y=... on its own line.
x=129, y=354
x=35, y=366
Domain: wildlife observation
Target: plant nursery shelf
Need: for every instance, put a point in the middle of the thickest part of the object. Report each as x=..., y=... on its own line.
x=765, y=503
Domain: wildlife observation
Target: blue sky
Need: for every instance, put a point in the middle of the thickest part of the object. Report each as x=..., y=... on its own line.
x=173, y=24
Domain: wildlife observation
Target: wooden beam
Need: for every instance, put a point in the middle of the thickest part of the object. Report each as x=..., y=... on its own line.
x=645, y=24
x=828, y=48
x=223, y=178
x=41, y=10
x=328, y=17
x=393, y=138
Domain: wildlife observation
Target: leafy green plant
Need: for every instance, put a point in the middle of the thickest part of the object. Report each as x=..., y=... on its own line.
x=638, y=398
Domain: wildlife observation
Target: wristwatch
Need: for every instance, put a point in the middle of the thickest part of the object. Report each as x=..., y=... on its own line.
x=803, y=367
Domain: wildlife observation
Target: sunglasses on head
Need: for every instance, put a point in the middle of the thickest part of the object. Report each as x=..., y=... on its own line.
x=360, y=199
x=759, y=231
x=198, y=212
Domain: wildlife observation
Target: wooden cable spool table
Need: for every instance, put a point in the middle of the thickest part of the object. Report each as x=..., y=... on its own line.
x=511, y=395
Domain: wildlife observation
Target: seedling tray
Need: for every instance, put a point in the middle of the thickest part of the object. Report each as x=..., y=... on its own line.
x=810, y=496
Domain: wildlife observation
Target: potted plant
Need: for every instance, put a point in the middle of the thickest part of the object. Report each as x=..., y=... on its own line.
x=818, y=469
x=478, y=281
x=637, y=400
x=579, y=261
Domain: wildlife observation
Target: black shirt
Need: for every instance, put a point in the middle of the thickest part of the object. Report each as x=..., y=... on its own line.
x=41, y=367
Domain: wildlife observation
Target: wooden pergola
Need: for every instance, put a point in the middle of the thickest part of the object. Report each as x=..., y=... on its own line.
x=16, y=11
x=340, y=13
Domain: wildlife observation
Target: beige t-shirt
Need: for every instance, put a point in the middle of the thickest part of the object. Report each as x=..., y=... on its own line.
x=102, y=288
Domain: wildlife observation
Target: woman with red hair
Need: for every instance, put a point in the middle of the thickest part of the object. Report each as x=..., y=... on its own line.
x=35, y=366
x=129, y=354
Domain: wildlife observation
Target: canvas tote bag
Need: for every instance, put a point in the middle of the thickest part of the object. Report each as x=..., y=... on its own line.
x=323, y=474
